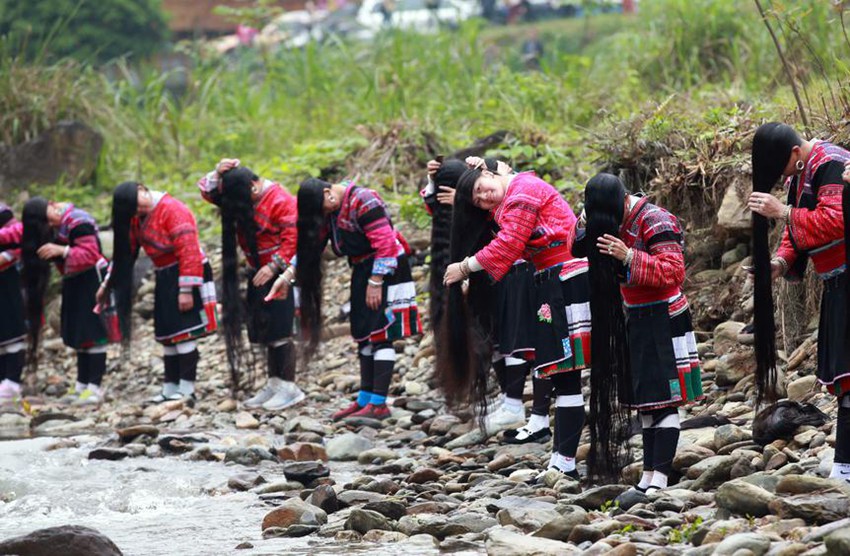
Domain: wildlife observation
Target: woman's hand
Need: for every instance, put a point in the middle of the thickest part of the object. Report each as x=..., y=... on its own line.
x=614, y=246
x=433, y=166
x=374, y=294
x=446, y=195
x=846, y=175
x=50, y=251
x=226, y=164
x=185, y=301
x=502, y=168
x=101, y=297
x=263, y=276
x=454, y=274
x=476, y=162
x=766, y=205
x=280, y=289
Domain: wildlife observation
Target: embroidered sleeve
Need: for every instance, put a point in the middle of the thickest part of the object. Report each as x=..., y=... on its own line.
x=516, y=225
x=210, y=187
x=809, y=229
x=84, y=251
x=286, y=215
x=373, y=220
x=181, y=228
x=662, y=265
x=10, y=240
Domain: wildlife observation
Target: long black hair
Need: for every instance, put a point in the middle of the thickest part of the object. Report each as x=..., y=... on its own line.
x=610, y=381
x=463, y=362
x=237, y=215
x=308, y=272
x=125, y=205
x=6, y=214
x=36, y=272
x=441, y=230
x=772, y=146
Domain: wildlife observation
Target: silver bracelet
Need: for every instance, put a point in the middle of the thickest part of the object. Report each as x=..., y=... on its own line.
x=375, y=283
x=630, y=254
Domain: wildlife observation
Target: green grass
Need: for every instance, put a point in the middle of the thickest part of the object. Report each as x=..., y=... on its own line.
x=382, y=109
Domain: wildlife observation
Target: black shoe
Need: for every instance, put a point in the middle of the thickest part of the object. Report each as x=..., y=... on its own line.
x=525, y=436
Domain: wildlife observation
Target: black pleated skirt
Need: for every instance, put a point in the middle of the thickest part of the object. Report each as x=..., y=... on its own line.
x=13, y=323
x=268, y=322
x=398, y=315
x=515, y=315
x=81, y=327
x=172, y=326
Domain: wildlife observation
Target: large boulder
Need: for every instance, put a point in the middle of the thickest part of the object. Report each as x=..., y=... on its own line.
x=68, y=151
x=68, y=540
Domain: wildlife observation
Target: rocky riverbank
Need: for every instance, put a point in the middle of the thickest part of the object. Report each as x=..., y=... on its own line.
x=427, y=480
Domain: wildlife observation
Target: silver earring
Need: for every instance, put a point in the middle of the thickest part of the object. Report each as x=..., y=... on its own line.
x=800, y=165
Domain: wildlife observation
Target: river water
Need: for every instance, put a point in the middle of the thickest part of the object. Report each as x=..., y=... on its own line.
x=150, y=506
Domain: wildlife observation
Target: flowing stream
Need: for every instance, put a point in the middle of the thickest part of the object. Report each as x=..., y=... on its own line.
x=151, y=506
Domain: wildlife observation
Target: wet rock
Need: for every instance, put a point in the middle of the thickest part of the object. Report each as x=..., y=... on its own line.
x=324, y=497
x=473, y=437
x=390, y=508
x=631, y=498
x=302, y=451
x=243, y=546
x=424, y=475
x=379, y=455
x=690, y=455
x=585, y=533
x=304, y=424
x=500, y=462
x=814, y=508
x=245, y=420
x=802, y=484
x=347, y=447
x=799, y=389
x=438, y=526
x=729, y=434
x=296, y=530
x=68, y=540
x=294, y=512
x=248, y=456
x=112, y=454
x=526, y=519
x=64, y=427
x=838, y=543
x=358, y=422
x=352, y=497
x=560, y=528
x=305, y=472
x=594, y=498
x=176, y=444
x=128, y=434
x=362, y=521
x=245, y=481
x=472, y=522
x=279, y=486
x=753, y=542
x=743, y=498
x=442, y=424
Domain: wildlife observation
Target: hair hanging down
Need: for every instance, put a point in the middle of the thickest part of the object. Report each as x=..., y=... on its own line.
x=36, y=272
x=237, y=216
x=125, y=204
x=772, y=146
x=610, y=379
x=441, y=230
x=463, y=362
x=6, y=214
x=308, y=272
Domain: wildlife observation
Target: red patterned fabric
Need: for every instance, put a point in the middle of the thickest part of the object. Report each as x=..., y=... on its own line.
x=276, y=215
x=169, y=235
x=10, y=234
x=816, y=226
x=533, y=221
x=657, y=269
x=78, y=230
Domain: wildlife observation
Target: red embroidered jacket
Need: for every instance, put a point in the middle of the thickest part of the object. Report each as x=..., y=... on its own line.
x=276, y=216
x=10, y=239
x=816, y=227
x=78, y=230
x=169, y=235
x=535, y=224
x=657, y=270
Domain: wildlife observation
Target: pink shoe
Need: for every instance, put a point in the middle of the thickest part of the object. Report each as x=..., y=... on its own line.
x=9, y=391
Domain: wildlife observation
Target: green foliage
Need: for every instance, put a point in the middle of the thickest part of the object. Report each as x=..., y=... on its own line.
x=685, y=532
x=88, y=30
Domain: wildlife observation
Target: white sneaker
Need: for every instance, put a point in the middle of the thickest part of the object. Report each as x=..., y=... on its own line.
x=88, y=397
x=288, y=395
x=504, y=418
x=268, y=391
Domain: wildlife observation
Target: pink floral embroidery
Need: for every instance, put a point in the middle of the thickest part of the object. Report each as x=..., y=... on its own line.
x=544, y=313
